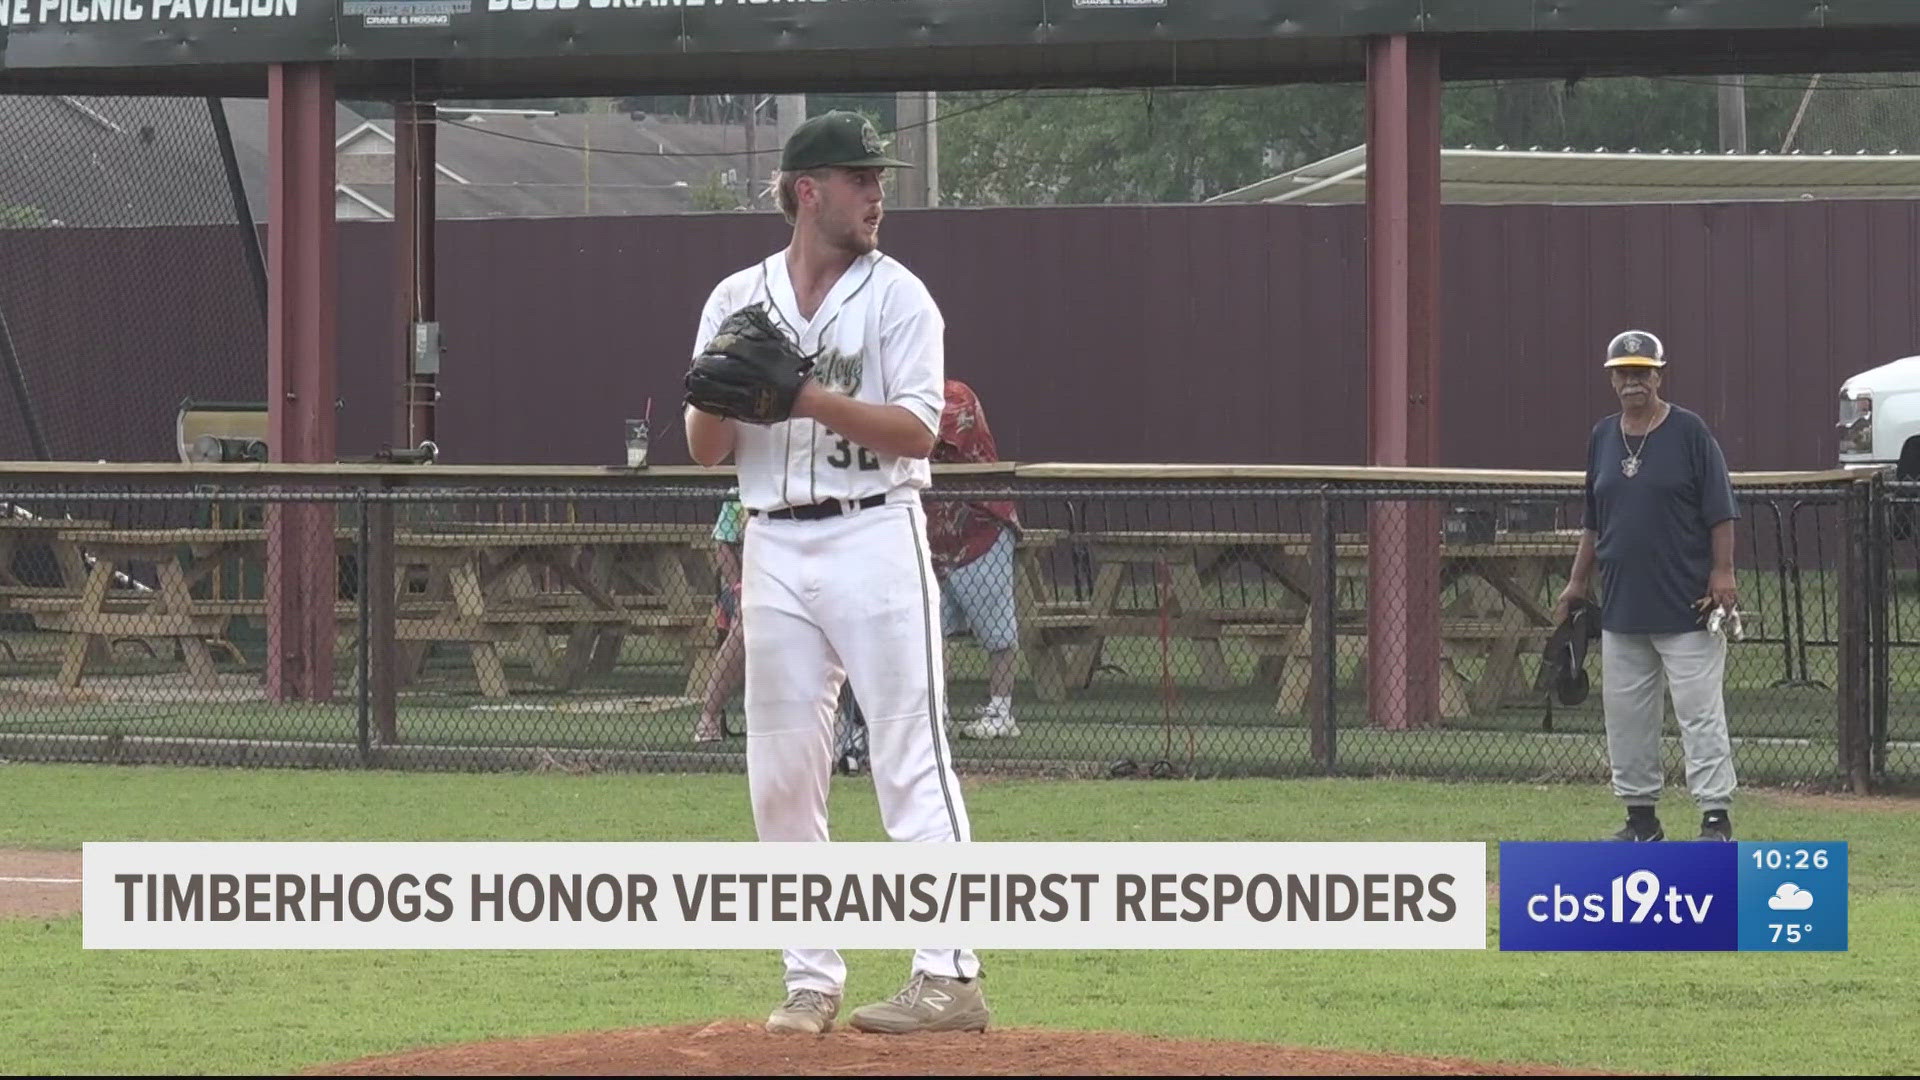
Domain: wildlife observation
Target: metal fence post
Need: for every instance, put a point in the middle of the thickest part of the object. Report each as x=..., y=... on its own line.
x=1880, y=599
x=1324, y=676
x=1854, y=652
x=379, y=583
x=363, y=694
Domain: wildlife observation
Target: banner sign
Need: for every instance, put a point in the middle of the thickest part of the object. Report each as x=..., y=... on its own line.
x=147, y=33
x=771, y=896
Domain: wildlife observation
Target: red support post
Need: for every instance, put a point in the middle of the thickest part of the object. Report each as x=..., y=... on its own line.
x=301, y=578
x=1403, y=279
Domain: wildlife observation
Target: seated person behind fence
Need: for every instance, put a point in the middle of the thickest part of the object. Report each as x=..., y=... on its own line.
x=730, y=662
x=972, y=545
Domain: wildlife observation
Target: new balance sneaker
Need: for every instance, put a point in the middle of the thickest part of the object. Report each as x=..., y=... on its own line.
x=1716, y=825
x=1640, y=828
x=927, y=1003
x=805, y=1012
x=992, y=724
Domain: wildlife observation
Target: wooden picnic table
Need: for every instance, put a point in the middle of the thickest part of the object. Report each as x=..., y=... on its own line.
x=1496, y=614
x=69, y=566
x=168, y=611
x=615, y=578
x=68, y=562
x=483, y=588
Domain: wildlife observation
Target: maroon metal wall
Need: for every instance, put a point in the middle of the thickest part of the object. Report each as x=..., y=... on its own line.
x=1764, y=309
x=1127, y=334
x=113, y=327
x=1197, y=333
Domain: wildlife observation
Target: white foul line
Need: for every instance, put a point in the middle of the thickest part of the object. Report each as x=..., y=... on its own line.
x=40, y=880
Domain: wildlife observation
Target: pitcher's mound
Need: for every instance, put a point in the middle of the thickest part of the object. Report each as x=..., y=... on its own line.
x=732, y=1048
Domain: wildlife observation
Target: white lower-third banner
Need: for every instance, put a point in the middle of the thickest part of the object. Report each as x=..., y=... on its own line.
x=770, y=896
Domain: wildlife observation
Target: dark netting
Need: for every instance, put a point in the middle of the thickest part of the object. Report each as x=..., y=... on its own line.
x=1124, y=628
x=128, y=283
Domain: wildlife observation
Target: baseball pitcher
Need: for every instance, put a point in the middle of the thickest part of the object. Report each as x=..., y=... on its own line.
x=821, y=370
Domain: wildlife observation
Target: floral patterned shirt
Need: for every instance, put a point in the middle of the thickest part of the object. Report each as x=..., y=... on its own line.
x=960, y=532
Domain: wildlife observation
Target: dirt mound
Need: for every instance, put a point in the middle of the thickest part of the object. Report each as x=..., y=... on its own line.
x=731, y=1047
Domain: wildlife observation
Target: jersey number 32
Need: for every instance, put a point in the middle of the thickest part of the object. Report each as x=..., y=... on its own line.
x=843, y=457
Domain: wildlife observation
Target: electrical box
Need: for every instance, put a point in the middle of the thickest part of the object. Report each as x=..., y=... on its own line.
x=426, y=348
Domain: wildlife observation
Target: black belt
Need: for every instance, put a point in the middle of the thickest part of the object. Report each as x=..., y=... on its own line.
x=816, y=511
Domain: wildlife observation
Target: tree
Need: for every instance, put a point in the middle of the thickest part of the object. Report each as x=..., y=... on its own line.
x=1191, y=144
x=1650, y=115
x=1136, y=146
x=715, y=193
x=23, y=217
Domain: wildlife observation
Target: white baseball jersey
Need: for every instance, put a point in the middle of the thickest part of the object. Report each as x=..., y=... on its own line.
x=880, y=339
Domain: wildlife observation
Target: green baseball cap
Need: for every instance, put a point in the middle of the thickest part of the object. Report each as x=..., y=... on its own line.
x=839, y=138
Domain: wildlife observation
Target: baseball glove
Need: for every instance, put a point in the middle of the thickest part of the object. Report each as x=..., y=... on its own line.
x=750, y=370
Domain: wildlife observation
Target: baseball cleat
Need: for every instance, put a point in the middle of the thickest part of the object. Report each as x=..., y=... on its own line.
x=927, y=1003
x=1639, y=830
x=805, y=1012
x=1716, y=825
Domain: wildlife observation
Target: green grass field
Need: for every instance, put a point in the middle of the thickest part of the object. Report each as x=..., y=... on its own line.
x=67, y=1010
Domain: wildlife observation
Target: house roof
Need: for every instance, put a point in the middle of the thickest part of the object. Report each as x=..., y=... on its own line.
x=124, y=161
x=112, y=161
x=1471, y=175
x=506, y=165
x=247, y=120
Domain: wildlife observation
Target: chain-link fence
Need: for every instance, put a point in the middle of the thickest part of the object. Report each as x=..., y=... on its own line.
x=1894, y=715
x=1188, y=628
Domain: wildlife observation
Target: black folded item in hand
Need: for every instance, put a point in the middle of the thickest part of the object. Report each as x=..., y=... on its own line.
x=1563, y=665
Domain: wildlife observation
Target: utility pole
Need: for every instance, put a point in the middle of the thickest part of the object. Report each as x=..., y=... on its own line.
x=917, y=140
x=1733, y=113
x=790, y=111
x=752, y=166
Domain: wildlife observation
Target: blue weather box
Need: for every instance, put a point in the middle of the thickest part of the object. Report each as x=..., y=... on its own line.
x=1793, y=897
x=1682, y=896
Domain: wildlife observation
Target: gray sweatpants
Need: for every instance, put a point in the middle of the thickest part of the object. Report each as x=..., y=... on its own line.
x=1636, y=671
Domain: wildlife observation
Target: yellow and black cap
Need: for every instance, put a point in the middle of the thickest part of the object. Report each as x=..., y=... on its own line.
x=1636, y=348
x=839, y=138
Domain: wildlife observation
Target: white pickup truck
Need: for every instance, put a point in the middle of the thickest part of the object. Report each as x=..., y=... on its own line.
x=1880, y=418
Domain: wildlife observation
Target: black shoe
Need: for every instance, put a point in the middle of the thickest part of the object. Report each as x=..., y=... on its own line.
x=1716, y=825
x=1640, y=830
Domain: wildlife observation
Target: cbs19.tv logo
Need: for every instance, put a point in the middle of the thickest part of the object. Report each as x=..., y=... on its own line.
x=1697, y=896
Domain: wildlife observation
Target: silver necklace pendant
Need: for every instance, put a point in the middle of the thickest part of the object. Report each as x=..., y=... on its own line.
x=1630, y=466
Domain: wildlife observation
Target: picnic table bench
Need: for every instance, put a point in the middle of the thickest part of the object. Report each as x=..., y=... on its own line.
x=484, y=587
x=1496, y=616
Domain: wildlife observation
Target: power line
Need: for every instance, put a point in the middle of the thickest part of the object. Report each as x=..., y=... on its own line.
x=716, y=153
x=948, y=114
x=1145, y=94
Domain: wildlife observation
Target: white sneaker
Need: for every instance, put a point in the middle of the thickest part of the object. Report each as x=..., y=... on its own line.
x=992, y=724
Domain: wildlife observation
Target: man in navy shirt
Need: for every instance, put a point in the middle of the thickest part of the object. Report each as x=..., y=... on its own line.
x=1659, y=524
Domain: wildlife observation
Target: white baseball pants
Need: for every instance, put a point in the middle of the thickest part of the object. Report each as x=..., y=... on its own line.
x=849, y=598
